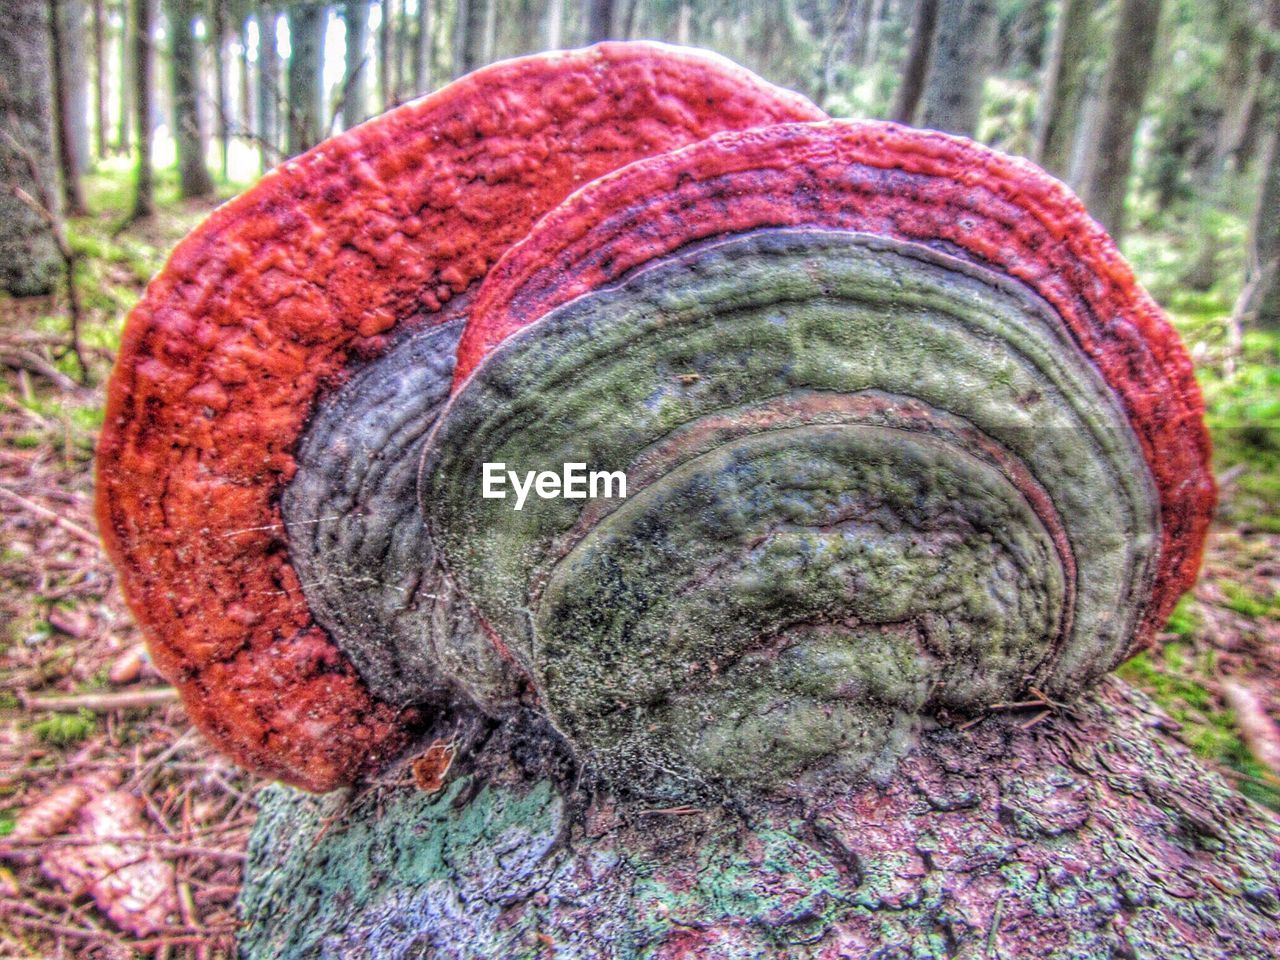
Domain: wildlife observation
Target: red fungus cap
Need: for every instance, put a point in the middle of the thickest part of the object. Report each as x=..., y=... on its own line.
x=916, y=186
x=261, y=309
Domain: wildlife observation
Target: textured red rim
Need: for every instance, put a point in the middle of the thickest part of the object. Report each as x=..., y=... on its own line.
x=917, y=186
x=262, y=307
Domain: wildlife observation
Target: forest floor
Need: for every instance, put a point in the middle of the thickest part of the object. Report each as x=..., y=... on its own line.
x=65, y=632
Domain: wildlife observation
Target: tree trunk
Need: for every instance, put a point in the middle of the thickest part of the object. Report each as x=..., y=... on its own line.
x=144, y=104
x=71, y=98
x=189, y=131
x=248, y=122
x=834, y=48
x=1064, y=86
x=423, y=79
x=1091, y=834
x=1260, y=302
x=29, y=258
x=219, y=41
x=355, y=89
x=404, y=76
x=1108, y=158
x=470, y=35
x=1242, y=147
x=100, y=76
x=128, y=48
x=268, y=86
x=1028, y=33
x=306, y=77
x=386, y=55
x=963, y=52
x=555, y=24
x=601, y=24
x=906, y=100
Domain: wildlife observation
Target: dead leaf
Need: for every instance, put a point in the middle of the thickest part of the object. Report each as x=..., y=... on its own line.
x=430, y=769
x=128, y=882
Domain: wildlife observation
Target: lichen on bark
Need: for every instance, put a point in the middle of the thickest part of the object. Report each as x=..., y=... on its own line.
x=1090, y=835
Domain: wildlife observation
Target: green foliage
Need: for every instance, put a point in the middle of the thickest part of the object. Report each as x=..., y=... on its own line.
x=65, y=729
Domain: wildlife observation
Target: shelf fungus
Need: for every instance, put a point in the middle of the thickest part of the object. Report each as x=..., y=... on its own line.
x=257, y=464
x=904, y=440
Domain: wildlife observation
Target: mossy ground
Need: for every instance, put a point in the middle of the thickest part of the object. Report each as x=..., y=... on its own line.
x=1230, y=624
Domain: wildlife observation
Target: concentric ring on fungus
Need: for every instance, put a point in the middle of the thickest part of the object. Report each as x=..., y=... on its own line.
x=914, y=186
x=868, y=481
x=906, y=438
x=271, y=303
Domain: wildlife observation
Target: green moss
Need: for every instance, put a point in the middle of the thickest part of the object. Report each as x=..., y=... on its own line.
x=1248, y=604
x=1170, y=677
x=65, y=729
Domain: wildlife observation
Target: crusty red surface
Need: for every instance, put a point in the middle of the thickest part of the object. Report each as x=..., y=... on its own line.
x=913, y=185
x=260, y=309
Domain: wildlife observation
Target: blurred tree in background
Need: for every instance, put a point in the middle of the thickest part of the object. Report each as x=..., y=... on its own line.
x=1161, y=113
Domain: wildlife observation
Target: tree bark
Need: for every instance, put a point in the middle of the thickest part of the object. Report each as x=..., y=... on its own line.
x=1027, y=38
x=1261, y=297
x=1064, y=85
x=248, y=121
x=601, y=20
x=268, y=86
x=555, y=24
x=1243, y=146
x=29, y=257
x=963, y=53
x=386, y=54
x=1089, y=834
x=906, y=101
x=1108, y=157
x=404, y=65
x=423, y=78
x=355, y=88
x=189, y=130
x=100, y=76
x=71, y=99
x=307, y=106
x=128, y=47
x=473, y=18
x=144, y=103
x=218, y=32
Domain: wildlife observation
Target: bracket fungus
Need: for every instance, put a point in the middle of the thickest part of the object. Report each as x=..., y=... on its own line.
x=903, y=440
x=268, y=307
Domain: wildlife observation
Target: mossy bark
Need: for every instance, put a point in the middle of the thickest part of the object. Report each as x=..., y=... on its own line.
x=1090, y=834
x=29, y=258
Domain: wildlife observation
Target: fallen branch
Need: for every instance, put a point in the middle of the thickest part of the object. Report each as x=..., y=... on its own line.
x=1259, y=732
x=70, y=526
x=33, y=363
x=102, y=702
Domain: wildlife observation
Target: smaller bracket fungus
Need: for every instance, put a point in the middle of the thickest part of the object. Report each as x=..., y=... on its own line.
x=898, y=426
x=280, y=575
